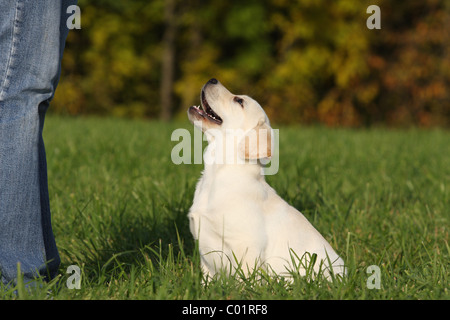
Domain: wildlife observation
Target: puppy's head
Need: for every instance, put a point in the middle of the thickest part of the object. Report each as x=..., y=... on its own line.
x=222, y=112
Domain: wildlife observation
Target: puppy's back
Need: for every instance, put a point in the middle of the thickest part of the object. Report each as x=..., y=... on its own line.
x=290, y=235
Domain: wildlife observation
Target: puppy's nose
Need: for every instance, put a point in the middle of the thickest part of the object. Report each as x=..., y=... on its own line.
x=213, y=81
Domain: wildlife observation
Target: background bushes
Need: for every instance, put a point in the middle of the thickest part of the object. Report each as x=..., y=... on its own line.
x=305, y=61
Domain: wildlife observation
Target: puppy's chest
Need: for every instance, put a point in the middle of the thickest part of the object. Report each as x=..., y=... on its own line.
x=205, y=197
x=228, y=198
x=221, y=186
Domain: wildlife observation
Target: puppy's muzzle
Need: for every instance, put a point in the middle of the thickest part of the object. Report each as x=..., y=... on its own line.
x=204, y=110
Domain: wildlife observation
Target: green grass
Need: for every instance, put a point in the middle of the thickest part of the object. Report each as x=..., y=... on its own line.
x=119, y=206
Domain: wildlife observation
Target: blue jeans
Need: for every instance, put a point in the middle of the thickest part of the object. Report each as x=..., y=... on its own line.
x=32, y=38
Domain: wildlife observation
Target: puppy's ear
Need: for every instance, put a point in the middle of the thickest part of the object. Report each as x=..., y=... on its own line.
x=257, y=143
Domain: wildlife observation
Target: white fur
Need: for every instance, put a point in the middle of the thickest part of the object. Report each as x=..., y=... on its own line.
x=237, y=218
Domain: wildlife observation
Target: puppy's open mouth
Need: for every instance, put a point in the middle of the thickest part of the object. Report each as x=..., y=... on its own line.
x=205, y=111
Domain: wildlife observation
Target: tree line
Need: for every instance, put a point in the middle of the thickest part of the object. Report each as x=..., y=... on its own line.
x=305, y=61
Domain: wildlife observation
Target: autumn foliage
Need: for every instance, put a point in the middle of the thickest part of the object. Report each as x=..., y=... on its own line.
x=305, y=61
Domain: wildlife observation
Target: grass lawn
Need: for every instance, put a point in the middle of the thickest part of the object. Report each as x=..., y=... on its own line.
x=119, y=206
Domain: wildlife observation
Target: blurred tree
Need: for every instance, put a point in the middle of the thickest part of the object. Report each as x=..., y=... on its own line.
x=114, y=61
x=412, y=64
x=168, y=59
x=233, y=47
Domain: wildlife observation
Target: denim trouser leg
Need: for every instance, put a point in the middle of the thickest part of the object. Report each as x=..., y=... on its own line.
x=32, y=37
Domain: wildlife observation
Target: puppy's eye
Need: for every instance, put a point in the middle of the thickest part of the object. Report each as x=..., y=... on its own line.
x=239, y=100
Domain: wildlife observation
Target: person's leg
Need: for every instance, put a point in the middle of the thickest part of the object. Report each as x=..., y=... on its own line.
x=32, y=38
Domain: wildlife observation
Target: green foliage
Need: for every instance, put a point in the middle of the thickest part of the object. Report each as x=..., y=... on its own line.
x=304, y=61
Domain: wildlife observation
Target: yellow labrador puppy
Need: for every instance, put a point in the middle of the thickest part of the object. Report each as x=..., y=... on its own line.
x=237, y=218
